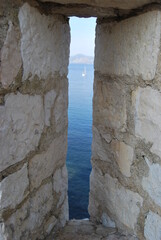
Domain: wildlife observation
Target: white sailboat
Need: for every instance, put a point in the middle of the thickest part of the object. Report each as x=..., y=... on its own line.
x=84, y=72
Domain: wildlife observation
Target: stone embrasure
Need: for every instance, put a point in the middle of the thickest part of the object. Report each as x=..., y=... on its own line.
x=125, y=181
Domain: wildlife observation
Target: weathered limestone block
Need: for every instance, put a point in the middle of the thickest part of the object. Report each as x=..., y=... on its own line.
x=124, y=156
x=43, y=165
x=18, y=225
x=109, y=105
x=107, y=222
x=129, y=47
x=64, y=214
x=60, y=183
x=152, y=228
x=113, y=149
x=27, y=220
x=2, y=232
x=98, y=150
x=93, y=207
x=49, y=102
x=60, y=111
x=49, y=225
x=152, y=183
x=41, y=204
x=123, y=204
x=104, y=134
x=14, y=188
x=21, y=125
x=44, y=43
x=147, y=108
x=10, y=56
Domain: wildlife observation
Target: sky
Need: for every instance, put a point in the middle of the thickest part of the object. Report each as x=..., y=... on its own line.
x=82, y=36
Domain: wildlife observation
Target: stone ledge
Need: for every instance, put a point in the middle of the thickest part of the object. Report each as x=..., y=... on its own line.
x=86, y=230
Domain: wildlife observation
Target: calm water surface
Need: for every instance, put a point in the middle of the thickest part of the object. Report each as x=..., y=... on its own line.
x=79, y=138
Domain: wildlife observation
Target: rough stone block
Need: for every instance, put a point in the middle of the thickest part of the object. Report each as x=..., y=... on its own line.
x=107, y=222
x=49, y=102
x=44, y=43
x=147, y=108
x=25, y=221
x=18, y=225
x=123, y=204
x=124, y=156
x=10, y=56
x=152, y=183
x=109, y=105
x=60, y=183
x=41, y=204
x=43, y=165
x=13, y=189
x=98, y=150
x=152, y=228
x=64, y=213
x=21, y=125
x=49, y=225
x=129, y=47
x=60, y=112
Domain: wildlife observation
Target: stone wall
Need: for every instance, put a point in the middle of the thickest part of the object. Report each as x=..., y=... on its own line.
x=34, y=53
x=125, y=181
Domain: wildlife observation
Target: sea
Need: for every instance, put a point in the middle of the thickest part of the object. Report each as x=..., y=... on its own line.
x=79, y=138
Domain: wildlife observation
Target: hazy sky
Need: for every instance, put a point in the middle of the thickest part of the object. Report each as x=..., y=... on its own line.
x=82, y=35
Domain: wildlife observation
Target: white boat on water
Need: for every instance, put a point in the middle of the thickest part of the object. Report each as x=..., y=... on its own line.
x=84, y=72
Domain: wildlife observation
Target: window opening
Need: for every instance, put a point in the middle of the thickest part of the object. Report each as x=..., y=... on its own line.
x=81, y=75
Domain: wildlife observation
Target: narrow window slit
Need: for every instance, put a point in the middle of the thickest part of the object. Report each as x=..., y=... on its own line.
x=81, y=75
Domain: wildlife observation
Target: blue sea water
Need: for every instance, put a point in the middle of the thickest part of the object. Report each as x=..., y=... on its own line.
x=79, y=138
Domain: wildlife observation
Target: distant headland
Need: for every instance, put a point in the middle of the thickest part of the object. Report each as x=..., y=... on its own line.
x=81, y=59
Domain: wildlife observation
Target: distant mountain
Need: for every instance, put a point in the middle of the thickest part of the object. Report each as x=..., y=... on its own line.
x=81, y=59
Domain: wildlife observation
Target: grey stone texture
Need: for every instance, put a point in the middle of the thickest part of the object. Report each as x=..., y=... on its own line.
x=122, y=50
x=45, y=55
x=123, y=204
x=152, y=226
x=146, y=102
x=86, y=230
x=21, y=125
x=125, y=178
x=152, y=182
x=14, y=189
x=9, y=52
x=33, y=121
